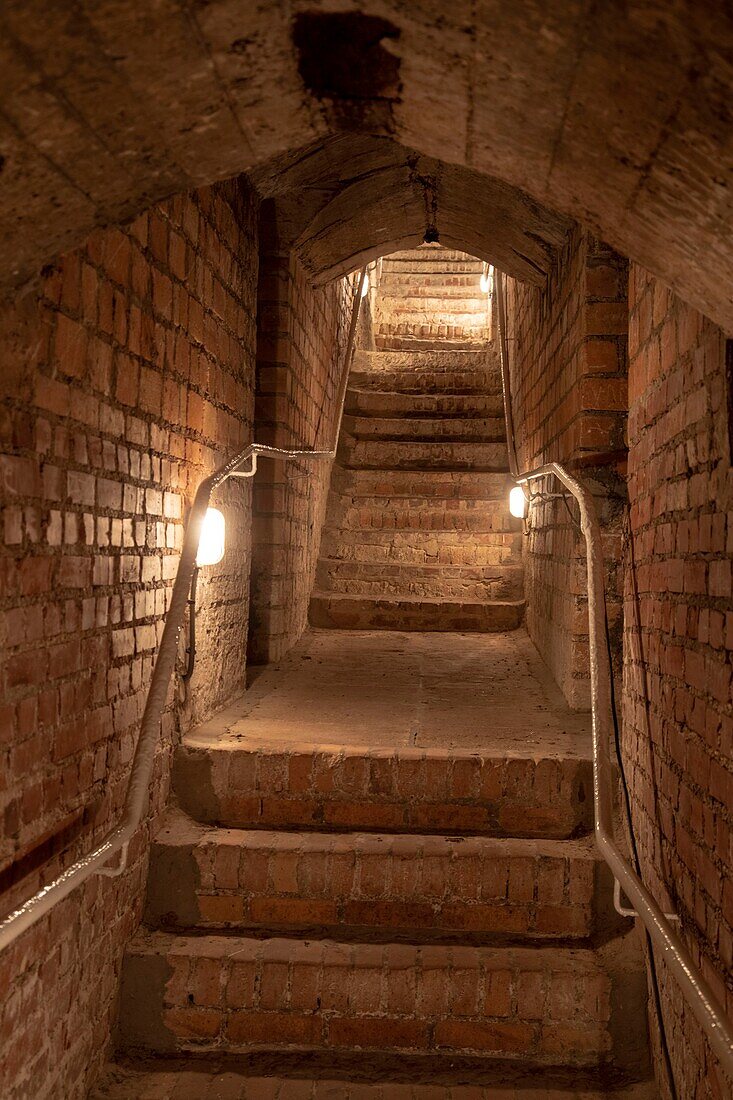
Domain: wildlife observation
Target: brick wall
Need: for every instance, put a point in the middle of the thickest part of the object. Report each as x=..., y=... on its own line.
x=677, y=718
x=567, y=351
x=124, y=383
x=300, y=348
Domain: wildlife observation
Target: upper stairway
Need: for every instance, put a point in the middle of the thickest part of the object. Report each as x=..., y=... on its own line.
x=418, y=534
x=430, y=294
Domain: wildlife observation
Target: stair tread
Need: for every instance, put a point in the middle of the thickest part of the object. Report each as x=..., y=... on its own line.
x=342, y=597
x=179, y=828
x=454, y=485
x=273, y=1078
x=446, y=359
x=509, y=537
x=554, y=958
x=327, y=681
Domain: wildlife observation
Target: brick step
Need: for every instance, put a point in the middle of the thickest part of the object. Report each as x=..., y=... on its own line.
x=434, y=250
x=416, y=514
x=374, y=885
x=445, y=323
x=433, y=304
x=344, y=612
x=232, y=993
x=435, y=284
x=461, y=583
x=463, y=488
x=197, y=1078
x=417, y=266
x=415, y=538
x=387, y=455
x=377, y=402
x=459, y=340
x=434, y=288
x=423, y=547
x=301, y=785
x=430, y=430
x=441, y=327
x=483, y=359
x=424, y=383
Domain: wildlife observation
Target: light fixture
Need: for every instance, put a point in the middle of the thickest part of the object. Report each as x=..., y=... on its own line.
x=210, y=552
x=211, y=539
x=487, y=280
x=517, y=502
x=365, y=285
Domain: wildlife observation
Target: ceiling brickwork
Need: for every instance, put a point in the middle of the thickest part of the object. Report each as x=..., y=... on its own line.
x=618, y=115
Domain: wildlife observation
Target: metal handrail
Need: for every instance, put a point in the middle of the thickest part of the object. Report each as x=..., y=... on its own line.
x=138, y=787
x=695, y=988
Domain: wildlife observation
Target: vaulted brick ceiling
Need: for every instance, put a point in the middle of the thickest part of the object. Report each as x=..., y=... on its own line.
x=619, y=117
x=355, y=197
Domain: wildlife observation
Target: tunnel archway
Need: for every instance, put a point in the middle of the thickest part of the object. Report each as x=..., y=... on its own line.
x=346, y=201
x=620, y=119
x=132, y=366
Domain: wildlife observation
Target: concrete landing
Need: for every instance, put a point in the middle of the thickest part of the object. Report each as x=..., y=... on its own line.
x=396, y=732
x=459, y=692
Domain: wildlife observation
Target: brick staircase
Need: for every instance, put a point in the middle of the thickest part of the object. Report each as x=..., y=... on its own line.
x=413, y=916
x=377, y=878
x=418, y=534
x=430, y=294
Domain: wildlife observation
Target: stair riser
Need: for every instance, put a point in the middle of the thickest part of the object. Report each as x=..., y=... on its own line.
x=457, y=310
x=432, y=289
x=448, y=360
x=441, y=269
x=417, y=515
x=461, y=488
x=422, y=321
x=461, y=339
x=363, y=613
x=491, y=457
x=428, y=541
x=433, y=430
x=240, y=994
x=414, y=792
x=439, y=384
x=433, y=552
x=380, y=885
x=348, y=578
x=379, y=404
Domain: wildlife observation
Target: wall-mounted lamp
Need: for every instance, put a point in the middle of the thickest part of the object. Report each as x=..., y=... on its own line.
x=486, y=281
x=365, y=285
x=517, y=502
x=210, y=552
x=211, y=539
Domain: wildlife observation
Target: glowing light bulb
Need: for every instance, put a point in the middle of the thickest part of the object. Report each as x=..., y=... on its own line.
x=211, y=540
x=365, y=285
x=487, y=280
x=517, y=502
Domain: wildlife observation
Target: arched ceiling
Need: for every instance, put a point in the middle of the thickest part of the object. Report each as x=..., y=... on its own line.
x=355, y=197
x=617, y=114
